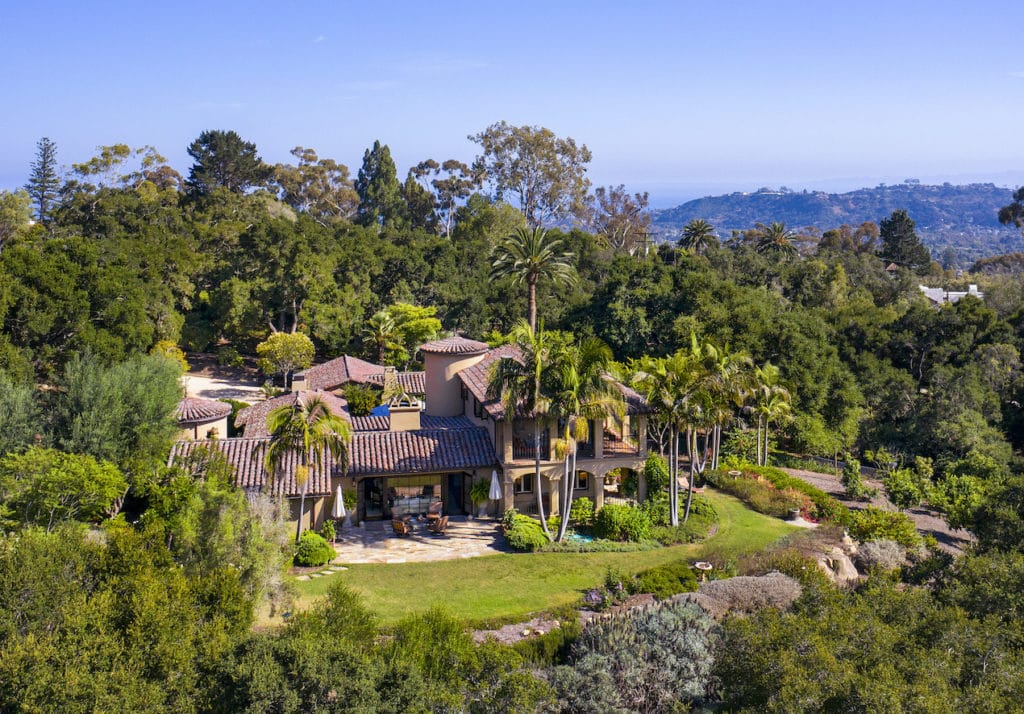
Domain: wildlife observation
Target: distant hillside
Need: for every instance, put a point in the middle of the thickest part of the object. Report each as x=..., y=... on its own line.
x=961, y=217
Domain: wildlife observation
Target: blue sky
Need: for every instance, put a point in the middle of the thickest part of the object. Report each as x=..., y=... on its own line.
x=677, y=98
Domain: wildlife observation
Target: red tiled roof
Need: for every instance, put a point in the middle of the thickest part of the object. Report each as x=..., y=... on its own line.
x=421, y=451
x=192, y=410
x=371, y=423
x=339, y=371
x=246, y=457
x=254, y=418
x=476, y=377
x=454, y=345
x=373, y=453
x=381, y=423
x=410, y=382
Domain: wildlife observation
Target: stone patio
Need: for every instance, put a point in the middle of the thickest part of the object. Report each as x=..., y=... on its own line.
x=376, y=542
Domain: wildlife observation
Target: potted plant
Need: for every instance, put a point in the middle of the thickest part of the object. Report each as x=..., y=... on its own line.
x=479, y=494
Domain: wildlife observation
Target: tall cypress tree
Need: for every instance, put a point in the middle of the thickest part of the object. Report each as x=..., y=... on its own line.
x=43, y=182
x=901, y=245
x=380, y=193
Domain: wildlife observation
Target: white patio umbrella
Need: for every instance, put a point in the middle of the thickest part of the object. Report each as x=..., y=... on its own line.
x=339, y=507
x=495, y=493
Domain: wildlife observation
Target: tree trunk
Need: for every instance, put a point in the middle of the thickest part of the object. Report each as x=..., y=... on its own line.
x=533, y=305
x=302, y=514
x=537, y=483
x=673, y=485
x=564, y=504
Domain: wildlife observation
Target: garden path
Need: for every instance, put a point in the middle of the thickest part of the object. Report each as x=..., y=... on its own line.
x=928, y=522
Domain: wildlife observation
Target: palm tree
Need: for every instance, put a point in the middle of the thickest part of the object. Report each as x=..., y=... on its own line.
x=670, y=385
x=529, y=255
x=584, y=391
x=775, y=238
x=384, y=334
x=310, y=428
x=522, y=384
x=698, y=234
x=729, y=374
x=771, y=402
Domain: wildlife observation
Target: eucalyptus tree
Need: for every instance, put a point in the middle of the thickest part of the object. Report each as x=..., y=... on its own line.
x=526, y=256
x=583, y=391
x=308, y=427
x=523, y=385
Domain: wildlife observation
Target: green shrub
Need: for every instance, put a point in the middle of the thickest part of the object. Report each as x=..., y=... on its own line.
x=617, y=522
x=665, y=581
x=599, y=546
x=508, y=518
x=327, y=530
x=525, y=534
x=853, y=484
x=361, y=398
x=553, y=646
x=313, y=550
x=582, y=512
x=824, y=507
x=903, y=489
x=875, y=524
x=228, y=356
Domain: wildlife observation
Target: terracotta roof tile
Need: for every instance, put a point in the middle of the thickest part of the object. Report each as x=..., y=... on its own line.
x=373, y=453
x=410, y=382
x=192, y=410
x=454, y=345
x=339, y=371
x=254, y=418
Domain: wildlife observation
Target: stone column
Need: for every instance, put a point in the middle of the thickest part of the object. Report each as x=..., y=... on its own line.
x=597, y=491
x=642, y=434
x=553, y=485
x=641, y=487
x=508, y=498
x=598, y=438
x=506, y=427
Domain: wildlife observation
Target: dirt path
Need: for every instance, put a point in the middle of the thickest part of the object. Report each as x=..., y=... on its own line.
x=928, y=522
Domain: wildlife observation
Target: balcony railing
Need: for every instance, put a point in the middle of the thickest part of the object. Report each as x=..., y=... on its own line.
x=615, y=445
x=523, y=448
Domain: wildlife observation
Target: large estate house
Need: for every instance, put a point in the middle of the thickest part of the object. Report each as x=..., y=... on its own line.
x=437, y=434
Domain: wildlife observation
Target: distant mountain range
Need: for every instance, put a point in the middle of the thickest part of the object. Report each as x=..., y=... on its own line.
x=962, y=217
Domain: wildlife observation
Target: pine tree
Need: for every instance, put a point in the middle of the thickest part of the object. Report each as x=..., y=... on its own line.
x=380, y=192
x=901, y=245
x=43, y=182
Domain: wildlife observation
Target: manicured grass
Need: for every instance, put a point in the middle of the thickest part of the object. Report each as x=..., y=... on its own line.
x=511, y=586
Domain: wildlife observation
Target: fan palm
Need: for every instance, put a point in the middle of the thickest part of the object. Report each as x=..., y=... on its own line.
x=583, y=391
x=522, y=384
x=308, y=427
x=529, y=255
x=384, y=333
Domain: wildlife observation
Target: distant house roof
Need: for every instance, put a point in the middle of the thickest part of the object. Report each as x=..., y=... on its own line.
x=476, y=377
x=254, y=419
x=372, y=453
x=382, y=423
x=454, y=345
x=192, y=410
x=339, y=371
x=940, y=296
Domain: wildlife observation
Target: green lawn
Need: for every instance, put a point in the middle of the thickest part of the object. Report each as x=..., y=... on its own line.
x=511, y=586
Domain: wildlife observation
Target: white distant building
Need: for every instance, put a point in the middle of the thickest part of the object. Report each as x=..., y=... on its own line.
x=941, y=297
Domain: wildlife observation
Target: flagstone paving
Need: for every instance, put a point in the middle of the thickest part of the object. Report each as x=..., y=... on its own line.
x=376, y=542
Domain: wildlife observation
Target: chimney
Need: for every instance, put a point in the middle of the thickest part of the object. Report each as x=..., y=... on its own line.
x=403, y=410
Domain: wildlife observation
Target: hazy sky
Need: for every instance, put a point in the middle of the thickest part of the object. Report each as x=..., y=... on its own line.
x=678, y=98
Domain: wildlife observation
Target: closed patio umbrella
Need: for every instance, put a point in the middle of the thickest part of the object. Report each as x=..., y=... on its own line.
x=495, y=493
x=339, y=511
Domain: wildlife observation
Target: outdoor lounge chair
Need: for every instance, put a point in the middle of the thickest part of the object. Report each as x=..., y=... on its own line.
x=400, y=527
x=439, y=526
x=434, y=510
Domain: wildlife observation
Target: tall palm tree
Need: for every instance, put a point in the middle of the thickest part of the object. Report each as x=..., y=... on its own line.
x=308, y=427
x=522, y=386
x=529, y=255
x=771, y=402
x=698, y=234
x=670, y=385
x=775, y=238
x=729, y=375
x=583, y=391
